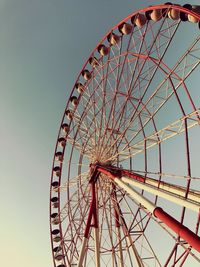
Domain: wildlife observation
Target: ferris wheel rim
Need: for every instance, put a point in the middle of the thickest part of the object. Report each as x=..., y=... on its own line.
x=91, y=55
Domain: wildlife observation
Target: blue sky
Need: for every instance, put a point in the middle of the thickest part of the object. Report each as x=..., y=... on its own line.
x=43, y=45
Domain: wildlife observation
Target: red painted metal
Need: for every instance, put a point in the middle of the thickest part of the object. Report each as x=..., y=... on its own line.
x=95, y=221
x=114, y=197
x=177, y=227
x=117, y=224
x=92, y=212
x=88, y=224
x=117, y=173
x=110, y=173
x=135, y=176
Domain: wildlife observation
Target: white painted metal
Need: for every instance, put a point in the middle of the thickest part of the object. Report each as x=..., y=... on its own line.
x=164, y=194
x=141, y=200
x=120, y=248
x=97, y=251
x=82, y=253
x=136, y=196
x=136, y=259
x=192, y=195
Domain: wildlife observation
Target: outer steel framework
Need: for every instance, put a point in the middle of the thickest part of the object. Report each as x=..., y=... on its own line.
x=113, y=120
x=120, y=178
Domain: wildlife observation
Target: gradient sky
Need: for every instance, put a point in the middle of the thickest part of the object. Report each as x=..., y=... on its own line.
x=43, y=45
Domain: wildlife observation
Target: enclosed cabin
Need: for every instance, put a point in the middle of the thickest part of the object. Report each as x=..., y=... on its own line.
x=55, y=185
x=57, y=171
x=154, y=15
x=80, y=88
x=139, y=20
x=183, y=15
x=173, y=14
x=59, y=257
x=86, y=75
x=94, y=62
x=125, y=28
x=103, y=50
x=113, y=38
x=62, y=142
x=54, y=202
x=57, y=249
x=74, y=100
x=55, y=220
x=68, y=114
x=59, y=156
x=65, y=128
x=196, y=9
x=56, y=235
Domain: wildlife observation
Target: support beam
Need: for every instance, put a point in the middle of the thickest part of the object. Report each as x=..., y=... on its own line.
x=164, y=194
x=117, y=226
x=181, y=191
x=82, y=253
x=92, y=215
x=177, y=227
x=97, y=251
x=119, y=220
x=185, y=233
x=136, y=196
x=135, y=252
x=120, y=254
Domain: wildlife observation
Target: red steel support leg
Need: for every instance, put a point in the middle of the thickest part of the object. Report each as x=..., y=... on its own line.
x=92, y=212
x=92, y=215
x=177, y=227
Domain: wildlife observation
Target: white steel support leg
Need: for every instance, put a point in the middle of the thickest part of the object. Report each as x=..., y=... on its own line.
x=138, y=197
x=97, y=251
x=181, y=191
x=138, y=261
x=137, y=257
x=120, y=248
x=164, y=194
x=82, y=253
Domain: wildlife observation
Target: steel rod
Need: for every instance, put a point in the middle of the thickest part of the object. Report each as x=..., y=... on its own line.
x=82, y=253
x=164, y=194
x=97, y=250
x=179, y=190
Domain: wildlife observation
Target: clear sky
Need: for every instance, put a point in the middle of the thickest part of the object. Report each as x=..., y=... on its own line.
x=43, y=45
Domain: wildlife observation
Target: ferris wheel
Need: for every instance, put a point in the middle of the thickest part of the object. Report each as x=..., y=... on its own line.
x=125, y=184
